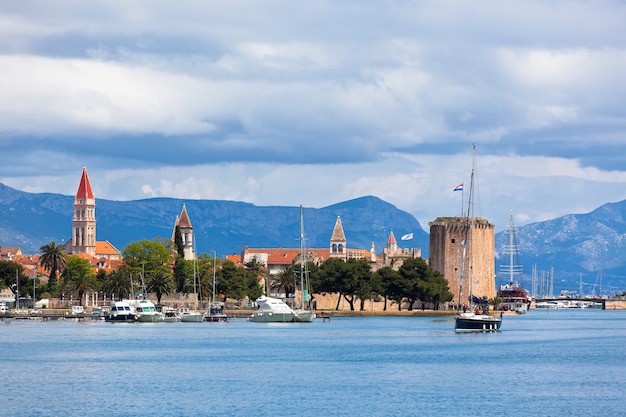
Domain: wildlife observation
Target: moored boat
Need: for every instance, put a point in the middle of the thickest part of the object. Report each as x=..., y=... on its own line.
x=272, y=310
x=120, y=312
x=215, y=313
x=189, y=316
x=513, y=297
x=169, y=315
x=145, y=311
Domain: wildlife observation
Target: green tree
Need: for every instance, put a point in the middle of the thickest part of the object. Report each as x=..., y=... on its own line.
x=421, y=282
x=117, y=284
x=11, y=277
x=356, y=283
x=388, y=278
x=78, y=276
x=328, y=278
x=53, y=258
x=146, y=257
x=178, y=242
x=283, y=281
x=160, y=283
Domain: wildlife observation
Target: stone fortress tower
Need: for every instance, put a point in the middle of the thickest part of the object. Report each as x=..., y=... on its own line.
x=447, y=235
x=84, y=220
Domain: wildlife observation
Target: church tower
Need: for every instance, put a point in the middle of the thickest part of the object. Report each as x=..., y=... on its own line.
x=186, y=232
x=84, y=220
x=338, y=241
x=455, y=248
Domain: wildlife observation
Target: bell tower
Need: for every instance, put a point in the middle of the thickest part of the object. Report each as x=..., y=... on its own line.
x=338, y=241
x=84, y=220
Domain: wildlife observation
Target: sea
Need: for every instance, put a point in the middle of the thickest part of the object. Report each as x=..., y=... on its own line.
x=545, y=363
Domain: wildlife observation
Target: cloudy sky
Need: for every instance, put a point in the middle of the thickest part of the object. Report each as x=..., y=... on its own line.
x=314, y=103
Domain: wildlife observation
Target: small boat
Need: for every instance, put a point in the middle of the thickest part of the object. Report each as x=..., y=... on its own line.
x=120, y=312
x=215, y=313
x=216, y=309
x=169, y=315
x=189, y=316
x=303, y=314
x=145, y=311
x=477, y=322
x=272, y=310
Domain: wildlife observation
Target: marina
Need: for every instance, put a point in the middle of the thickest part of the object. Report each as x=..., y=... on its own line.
x=571, y=360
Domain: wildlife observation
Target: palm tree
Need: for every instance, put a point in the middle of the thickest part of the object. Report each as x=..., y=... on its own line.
x=160, y=283
x=79, y=276
x=284, y=280
x=117, y=283
x=54, y=259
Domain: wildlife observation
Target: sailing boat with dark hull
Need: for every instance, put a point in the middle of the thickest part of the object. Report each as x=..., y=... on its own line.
x=476, y=318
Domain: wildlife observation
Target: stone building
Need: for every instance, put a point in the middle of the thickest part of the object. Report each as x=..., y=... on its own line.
x=102, y=255
x=462, y=244
x=186, y=232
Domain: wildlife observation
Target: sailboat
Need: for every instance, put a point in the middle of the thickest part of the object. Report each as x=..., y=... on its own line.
x=473, y=320
x=274, y=310
x=304, y=312
x=216, y=309
x=513, y=297
x=188, y=315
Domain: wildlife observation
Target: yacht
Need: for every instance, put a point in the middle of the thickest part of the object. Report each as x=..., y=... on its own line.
x=120, y=312
x=145, y=311
x=272, y=310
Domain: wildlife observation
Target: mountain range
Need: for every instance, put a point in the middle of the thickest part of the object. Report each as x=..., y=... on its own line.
x=583, y=250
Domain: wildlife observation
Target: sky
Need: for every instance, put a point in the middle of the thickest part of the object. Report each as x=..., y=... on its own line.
x=315, y=103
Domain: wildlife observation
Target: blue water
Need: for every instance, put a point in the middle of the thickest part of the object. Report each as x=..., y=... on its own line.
x=560, y=363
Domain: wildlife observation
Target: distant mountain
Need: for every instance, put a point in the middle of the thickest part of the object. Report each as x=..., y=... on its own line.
x=587, y=248
x=574, y=246
x=31, y=220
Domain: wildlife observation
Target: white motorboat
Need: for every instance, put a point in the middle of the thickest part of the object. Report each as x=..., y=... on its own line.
x=120, y=312
x=145, y=311
x=272, y=310
x=169, y=315
x=187, y=315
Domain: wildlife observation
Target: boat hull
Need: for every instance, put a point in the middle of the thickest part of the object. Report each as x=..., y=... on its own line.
x=191, y=318
x=120, y=318
x=148, y=318
x=304, y=316
x=271, y=317
x=477, y=323
x=216, y=318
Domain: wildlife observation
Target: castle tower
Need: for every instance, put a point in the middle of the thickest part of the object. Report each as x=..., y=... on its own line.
x=186, y=232
x=448, y=235
x=338, y=241
x=392, y=243
x=84, y=220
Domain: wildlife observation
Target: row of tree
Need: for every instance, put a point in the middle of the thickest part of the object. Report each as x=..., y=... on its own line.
x=158, y=267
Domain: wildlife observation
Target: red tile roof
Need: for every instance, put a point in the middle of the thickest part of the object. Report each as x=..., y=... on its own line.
x=84, y=188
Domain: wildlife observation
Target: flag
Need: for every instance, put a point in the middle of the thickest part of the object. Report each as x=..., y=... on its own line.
x=408, y=236
x=458, y=188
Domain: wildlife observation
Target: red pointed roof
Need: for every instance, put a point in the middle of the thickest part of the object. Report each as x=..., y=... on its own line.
x=391, y=240
x=84, y=188
x=183, y=220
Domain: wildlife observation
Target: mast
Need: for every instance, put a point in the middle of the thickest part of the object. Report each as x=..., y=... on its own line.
x=214, y=268
x=302, y=265
x=470, y=213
